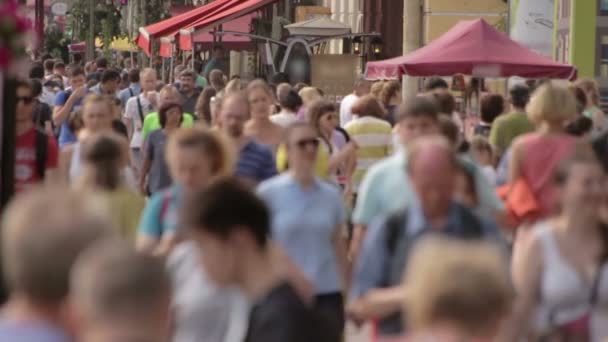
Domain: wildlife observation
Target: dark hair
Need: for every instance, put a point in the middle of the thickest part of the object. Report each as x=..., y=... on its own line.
x=59, y=65
x=101, y=62
x=75, y=122
x=203, y=104
x=419, y=106
x=104, y=152
x=216, y=79
x=279, y=78
x=77, y=71
x=368, y=105
x=583, y=154
x=580, y=126
x=166, y=107
x=317, y=110
x=134, y=75
x=520, y=95
x=188, y=73
x=37, y=71
x=436, y=83
x=581, y=98
x=492, y=105
x=49, y=64
x=109, y=75
x=449, y=129
x=198, y=66
x=36, y=87
x=213, y=209
x=446, y=102
x=291, y=101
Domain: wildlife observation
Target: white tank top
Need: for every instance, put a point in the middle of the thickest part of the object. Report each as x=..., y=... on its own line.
x=565, y=297
x=76, y=169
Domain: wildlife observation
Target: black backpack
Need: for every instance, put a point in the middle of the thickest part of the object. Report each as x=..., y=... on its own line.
x=42, y=147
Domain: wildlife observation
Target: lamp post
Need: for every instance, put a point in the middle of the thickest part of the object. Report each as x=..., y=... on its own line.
x=376, y=45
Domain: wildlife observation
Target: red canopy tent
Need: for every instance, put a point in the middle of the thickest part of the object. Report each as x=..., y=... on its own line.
x=471, y=48
x=169, y=27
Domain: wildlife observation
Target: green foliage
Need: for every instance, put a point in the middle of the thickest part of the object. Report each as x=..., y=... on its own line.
x=56, y=43
x=106, y=24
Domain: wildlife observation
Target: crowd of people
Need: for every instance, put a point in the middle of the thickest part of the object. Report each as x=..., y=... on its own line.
x=219, y=210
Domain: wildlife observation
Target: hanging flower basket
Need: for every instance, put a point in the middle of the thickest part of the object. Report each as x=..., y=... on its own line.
x=15, y=34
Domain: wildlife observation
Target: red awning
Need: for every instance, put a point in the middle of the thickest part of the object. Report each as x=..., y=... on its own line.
x=170, y=26
x=471, y=48
x=229, y=42
x=204, y=24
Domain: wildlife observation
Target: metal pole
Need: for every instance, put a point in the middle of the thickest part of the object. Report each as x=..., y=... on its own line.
x=90, y=55
x=39, y=10
x=163, y=73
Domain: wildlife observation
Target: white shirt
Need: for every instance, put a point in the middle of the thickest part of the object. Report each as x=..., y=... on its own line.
x=346, y=114
x=284, y=118
x=132, y=113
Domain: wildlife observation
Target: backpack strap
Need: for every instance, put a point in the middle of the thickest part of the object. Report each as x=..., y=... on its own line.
x=139, y=110
x=42, y=146
x=395, y=225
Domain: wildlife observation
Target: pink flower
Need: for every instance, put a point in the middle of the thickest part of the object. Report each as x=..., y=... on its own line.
x=9, y=7
x=22, y=24
x=5, y=56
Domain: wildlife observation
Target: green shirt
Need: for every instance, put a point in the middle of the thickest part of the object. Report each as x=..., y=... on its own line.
x=152, y=123
x=508, y=127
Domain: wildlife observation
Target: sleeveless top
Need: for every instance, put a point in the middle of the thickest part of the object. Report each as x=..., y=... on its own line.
x=76, y=169
x=541, y=155
x=565, y=297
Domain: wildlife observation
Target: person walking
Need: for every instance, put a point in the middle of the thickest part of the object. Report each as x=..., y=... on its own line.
x=104, y=156
x=560, y=272
x=155, y=173
x=255, y=162
x=36, y=153
x=290, y=104
x=132, y=90
x=509, y=126
x=203, y=105
x=292, y=197
x=195, y=157
x=168, y=94
x=67, y=102
x=593, y=111
x=361, y=88
x=259, y=126
x=187, y=88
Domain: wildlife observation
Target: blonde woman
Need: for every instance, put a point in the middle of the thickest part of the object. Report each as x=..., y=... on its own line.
x=260, y=127
x=309, y=95
x=534, y=156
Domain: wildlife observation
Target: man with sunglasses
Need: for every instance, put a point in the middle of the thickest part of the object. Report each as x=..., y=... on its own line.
x=36, y=154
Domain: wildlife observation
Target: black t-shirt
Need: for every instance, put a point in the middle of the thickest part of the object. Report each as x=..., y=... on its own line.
x=120, y=128
x=42, y=113
x=281, y=316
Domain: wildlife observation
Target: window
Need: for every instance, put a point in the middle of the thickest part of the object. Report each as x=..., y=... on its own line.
x=564, y=8
x=603, y=7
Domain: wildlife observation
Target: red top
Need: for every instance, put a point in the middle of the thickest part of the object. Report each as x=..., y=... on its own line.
x=541, y=156
x=26, y=174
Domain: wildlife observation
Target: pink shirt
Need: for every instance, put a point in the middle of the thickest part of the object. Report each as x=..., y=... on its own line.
x=541, y=156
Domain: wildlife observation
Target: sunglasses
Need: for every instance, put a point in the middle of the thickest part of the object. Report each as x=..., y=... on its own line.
x=314, y=142
x=25, y=99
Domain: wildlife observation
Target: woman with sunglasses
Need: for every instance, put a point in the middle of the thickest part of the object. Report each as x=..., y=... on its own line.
x=307, y=222
x=155, y=174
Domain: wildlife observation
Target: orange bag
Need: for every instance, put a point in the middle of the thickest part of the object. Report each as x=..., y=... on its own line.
x=520, y=202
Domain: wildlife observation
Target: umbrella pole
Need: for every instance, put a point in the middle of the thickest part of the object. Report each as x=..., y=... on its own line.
x=164, y=74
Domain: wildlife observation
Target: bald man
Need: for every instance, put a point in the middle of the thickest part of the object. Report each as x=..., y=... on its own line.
x=131, y=305
x=432, y=170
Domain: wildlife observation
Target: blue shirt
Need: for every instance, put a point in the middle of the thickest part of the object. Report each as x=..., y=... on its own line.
x=31, y=332
x=371, y=264
x=255, y=163
x=386, y=188
x=66, y=136
x=304, y=223
x=160, y=216
x=124, y=95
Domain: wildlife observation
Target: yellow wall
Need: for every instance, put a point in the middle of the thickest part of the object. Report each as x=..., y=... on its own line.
x=435, y=26
x=465, y=6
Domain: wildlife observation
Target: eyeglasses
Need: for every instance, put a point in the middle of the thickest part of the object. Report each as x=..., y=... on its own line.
x=25, y=99
x=314, y=142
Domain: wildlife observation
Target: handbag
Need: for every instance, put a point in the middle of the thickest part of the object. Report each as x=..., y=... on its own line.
x=578, y=330
x=520, y=202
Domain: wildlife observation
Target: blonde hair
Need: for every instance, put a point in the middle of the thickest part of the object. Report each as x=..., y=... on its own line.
x=551, y=103
x=210, y=143
x=376, y=89
x=309, y=95
x=591, y=89
x=92, y=99
x=463, y=283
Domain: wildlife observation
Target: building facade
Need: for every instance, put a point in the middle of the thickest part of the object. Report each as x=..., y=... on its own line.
x=581, y=37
